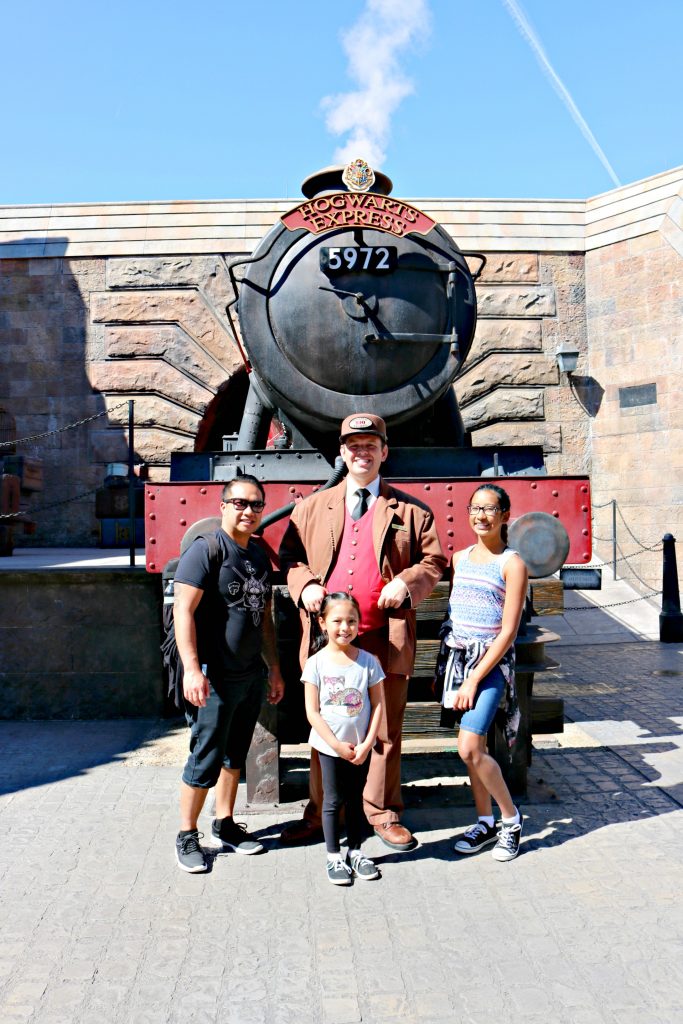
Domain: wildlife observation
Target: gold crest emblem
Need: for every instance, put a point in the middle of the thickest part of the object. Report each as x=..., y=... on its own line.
x=358, y=176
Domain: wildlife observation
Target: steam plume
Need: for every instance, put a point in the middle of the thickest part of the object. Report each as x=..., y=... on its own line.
x=373, y=45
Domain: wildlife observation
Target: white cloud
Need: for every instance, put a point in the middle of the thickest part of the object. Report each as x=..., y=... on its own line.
x=374, y=45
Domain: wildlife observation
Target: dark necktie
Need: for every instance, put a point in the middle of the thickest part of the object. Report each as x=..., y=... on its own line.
x=362, y=506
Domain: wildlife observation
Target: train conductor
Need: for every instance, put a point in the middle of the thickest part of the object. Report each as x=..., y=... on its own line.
x=380, y=545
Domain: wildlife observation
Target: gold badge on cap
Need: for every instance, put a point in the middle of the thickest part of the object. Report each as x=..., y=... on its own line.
x=358, y=176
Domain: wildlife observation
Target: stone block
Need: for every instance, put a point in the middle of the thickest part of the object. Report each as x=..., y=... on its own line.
x=137, y=376
x=494, y=335
x=155, y=271
x=501, y=266
x=168, y=342
x=155, y=446
x=13, y=266
x=549, y=435
x=207, y=273
x=644, y=243
x=45, y=267
x=504, y=370
x=502, y=405
x=107, y=446
x=516, y=301
x=187, y=308
x=74, y=336
x=600, y=307
x=154, y=411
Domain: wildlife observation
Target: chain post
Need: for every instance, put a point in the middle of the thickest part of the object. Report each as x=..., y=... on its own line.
x=670, y=620
x=614, y=538
x=131, y=481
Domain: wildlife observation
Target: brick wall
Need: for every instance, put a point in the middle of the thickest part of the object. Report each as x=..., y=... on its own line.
x=634, y=292
x=46, y=343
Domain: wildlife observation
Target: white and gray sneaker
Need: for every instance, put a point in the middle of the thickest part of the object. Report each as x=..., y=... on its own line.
x=476, y=837
x=189, y=853
x=339, y=871
x=364, y=868
x=507, y=846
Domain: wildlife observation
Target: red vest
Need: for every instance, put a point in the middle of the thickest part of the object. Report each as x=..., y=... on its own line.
x=356, y=570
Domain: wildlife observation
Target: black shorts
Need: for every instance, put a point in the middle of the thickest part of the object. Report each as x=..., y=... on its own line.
x=221, y=732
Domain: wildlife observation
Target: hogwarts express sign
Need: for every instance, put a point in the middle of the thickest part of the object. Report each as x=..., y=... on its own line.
x=358, y=210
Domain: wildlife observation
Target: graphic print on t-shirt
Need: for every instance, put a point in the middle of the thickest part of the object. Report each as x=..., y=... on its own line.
x=252, y=591
x=347, y=698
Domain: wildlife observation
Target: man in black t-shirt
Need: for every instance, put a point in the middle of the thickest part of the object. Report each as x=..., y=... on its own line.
x=224, y=633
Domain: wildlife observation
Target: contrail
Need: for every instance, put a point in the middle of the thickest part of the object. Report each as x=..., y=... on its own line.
x=372, y=45
x=559, y=86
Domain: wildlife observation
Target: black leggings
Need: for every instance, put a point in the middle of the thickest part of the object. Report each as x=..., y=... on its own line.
x=343, y=785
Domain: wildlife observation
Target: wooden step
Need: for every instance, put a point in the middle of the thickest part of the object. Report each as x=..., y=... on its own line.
x=423, y=718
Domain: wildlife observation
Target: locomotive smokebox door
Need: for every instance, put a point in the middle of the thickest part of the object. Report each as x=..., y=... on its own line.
x=355, y=300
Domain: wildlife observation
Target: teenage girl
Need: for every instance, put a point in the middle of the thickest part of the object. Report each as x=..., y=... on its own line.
x=476, y=663
x=343, y=705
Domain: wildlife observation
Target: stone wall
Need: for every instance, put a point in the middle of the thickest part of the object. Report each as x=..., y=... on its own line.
x=82, y=337
x=509, y=388
x=635, y=330
x=46, y=345
x=78, y=339
x=77, y=644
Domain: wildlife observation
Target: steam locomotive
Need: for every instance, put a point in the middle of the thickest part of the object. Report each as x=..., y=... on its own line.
x=357, y=301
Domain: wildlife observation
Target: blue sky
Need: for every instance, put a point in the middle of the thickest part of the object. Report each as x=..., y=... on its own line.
x=151, y=100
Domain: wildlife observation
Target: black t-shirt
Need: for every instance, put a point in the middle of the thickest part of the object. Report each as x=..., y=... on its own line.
x=229, y=617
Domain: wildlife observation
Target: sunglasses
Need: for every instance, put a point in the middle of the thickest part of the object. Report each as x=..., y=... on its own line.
x=242, y=503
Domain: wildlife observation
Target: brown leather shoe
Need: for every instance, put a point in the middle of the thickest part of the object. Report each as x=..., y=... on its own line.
x=303, y=831
x=396, y=836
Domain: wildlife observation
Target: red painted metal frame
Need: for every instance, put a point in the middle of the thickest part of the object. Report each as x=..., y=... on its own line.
x=171, y=508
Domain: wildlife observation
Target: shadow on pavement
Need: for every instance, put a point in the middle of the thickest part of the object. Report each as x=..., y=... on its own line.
x=39, y=753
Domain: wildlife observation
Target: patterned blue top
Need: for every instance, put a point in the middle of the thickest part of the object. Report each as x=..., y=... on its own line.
x=477, y=597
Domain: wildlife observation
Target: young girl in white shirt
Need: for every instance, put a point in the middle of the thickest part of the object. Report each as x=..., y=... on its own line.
x=344, y=707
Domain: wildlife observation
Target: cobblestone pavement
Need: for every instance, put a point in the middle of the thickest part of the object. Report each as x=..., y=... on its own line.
x=100, y=927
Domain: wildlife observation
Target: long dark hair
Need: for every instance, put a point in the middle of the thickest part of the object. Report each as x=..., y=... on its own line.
x=318, y=634
x=503, y=501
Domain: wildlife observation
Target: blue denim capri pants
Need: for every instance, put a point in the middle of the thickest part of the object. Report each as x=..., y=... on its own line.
x=479, y=719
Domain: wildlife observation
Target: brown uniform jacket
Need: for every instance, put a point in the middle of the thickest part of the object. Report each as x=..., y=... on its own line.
x=406, y=545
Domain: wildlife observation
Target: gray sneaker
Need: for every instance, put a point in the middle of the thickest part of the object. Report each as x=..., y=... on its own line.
x=234, y=835
x=363, y=867
x=339, y=871
x=189, y=853
x=507, y=846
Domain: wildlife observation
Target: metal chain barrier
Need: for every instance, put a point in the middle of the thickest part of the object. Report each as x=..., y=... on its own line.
x=630, y=532
x=53, y=504
x=625, y=558
x=642, y=548
x=615, y=604
x=622, y=558
x=60, y=430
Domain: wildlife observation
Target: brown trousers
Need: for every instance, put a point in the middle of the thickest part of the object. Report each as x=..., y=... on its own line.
x=382, y=794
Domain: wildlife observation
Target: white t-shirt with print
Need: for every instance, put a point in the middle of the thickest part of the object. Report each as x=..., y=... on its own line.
x=342, y=696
